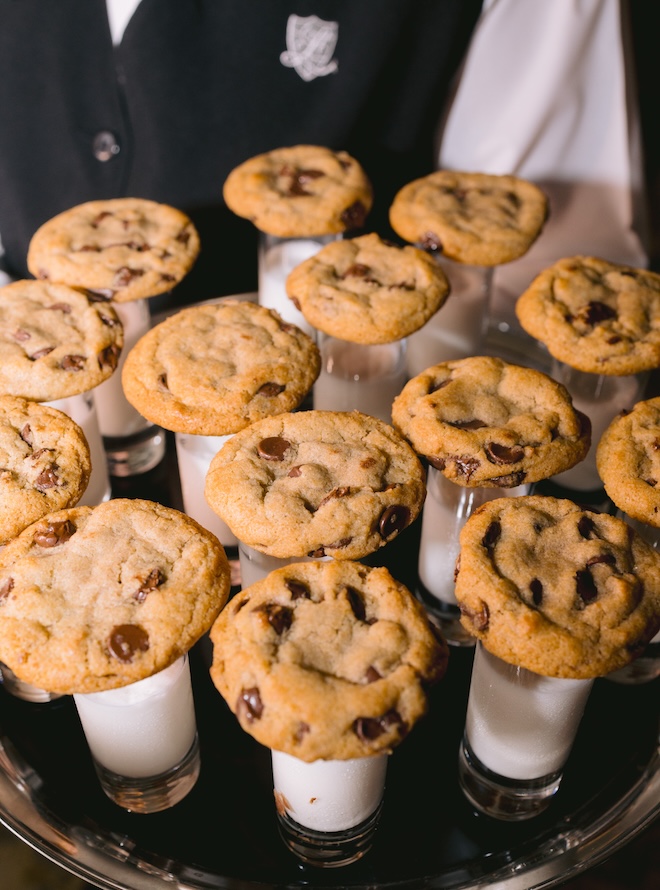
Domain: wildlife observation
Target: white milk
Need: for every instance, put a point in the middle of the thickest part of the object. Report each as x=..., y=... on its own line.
x=256, y=565
x=360, y=377
x=601, y=398
x=446, y=509
x=519, y=724
x=194, y=455
x=82, y=409
x=277, y=258
x=145, y=728
x=117, y=417
x=329, y=795
x=457, y=329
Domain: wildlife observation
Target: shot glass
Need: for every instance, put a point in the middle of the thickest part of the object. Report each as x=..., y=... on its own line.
x=519, y=731
x=328, y=810
x=194, y=455
x=132, y=444
x=358, y=376
x=82, y=409
x=457, y=330
x=19, y=689
x=255, y=565
x=143, y=739
x=276, y=258
x=446, y=508
x=601, y=397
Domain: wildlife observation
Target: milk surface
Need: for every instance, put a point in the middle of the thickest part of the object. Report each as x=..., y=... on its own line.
x=194, y=455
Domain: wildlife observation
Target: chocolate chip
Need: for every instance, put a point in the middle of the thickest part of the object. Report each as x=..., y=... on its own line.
x=54, y=533
x=297, y=589
x=585, y=586
x=367, y=463
x=585, y=526
x=21, y=335
x=430, y=241
x=536, y=589
x=354, y=216
x=73, y=363
x=162, y=382
x=273, y=448
x=438, y=462
x=435, y=385
x=48, y=478
x=340, y=492
x=183, y=236
x=249, y=705
x=480, y=619
x=504, y=454
x=61, y=307
x=126, y=640
x=301, y=731
x=356, y=603
x=153, y=580
x=294, y=472
x=465, y=466
x=279, y=617
x=100, y=217
x=492, y=535
x=109, y=357
x=602, y=558
x=26, y=434
x=368, y=729
x=6, y=589
x=511, y=480
x=372, y=675
x=357, y=270
x=40, y=353
x=100, y=295
x=271, y=389
x=595, y=312
x=393, y=520
x=472, y=424
x=125, y=276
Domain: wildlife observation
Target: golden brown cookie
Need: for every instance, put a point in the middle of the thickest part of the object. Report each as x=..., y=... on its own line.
x=482, y=421
x=367, y=290
x=93, y=598
x=300, y=191
x=213, y=369
x=476, y=218
x=628, y=460
x=121, y=248
x=44, y=463
x=326, y=660
x=55, y=341
x=316, y=483
x=594, y=315
x=557, y=589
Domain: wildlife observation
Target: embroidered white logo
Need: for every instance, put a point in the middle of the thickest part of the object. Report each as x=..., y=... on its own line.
x=310, y=43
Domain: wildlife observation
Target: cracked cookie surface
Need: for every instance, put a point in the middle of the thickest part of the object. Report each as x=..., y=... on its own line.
x=215, y=368
x=44, y=463
x=316, y=483
x=476, y=218
x=368, y=291
x=594, y=315
x=557, y=589
x=300, y=191
x=482, y=421
x=121, y=248
x=94, y=598
x=628, y=460
x=326, y=660
x=55, y=341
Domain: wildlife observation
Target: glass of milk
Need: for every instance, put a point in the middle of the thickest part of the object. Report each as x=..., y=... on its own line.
x=194, y=455
x=458, y=328
x=18, y=688
x=277, y=257
x=519, y=731
x=601, y=397
x=255, y=565
x=143, y=739
x=358, y=376
x=328, y=810
x=446, y=509
x=82, y=409
x=132, y=443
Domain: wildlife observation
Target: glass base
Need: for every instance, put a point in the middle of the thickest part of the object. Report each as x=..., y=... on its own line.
x=132, y=455
x=152, y=794
x=26, y=691
x=329, y=849
x=445, y=616
x=510, y=800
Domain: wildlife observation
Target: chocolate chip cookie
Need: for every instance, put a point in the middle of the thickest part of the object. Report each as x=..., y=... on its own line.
x=316, y=483
x=44, y=463
x=121, y=248
x=557, y=589
x=300, y=191
x=367, y=290
x=213, y=369
x=476, y=218
x=55, y=341
x=326, y=660
x=594, y=315
x=482, y=421
x=628, y=461
x=93, y=598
